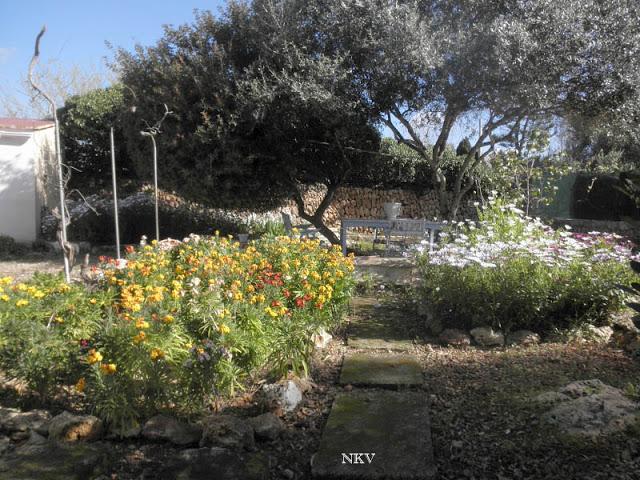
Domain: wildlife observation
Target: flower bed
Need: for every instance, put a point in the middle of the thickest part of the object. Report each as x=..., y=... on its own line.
x=170, y=328
x=513, y=272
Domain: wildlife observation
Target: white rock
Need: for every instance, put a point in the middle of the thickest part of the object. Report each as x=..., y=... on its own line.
x=286, y=395
x=321, y=338
x=453, y=336
x=487, y=336
x=13, y=420
x=592, y=408
x=599, y=334
x=523, y=337
x=72, y=428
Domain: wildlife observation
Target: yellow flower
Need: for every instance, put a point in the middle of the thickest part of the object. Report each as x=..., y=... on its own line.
x=4, y=298
x=156, y=354
x=140, y=323
x=168, y=319
x=108, y=368
x=22, y=303
x=93, y=301
x=93, y=356
x=223, y=329
x=80, y=385
x=6, y=280
x=59, y=319
x=140, y=337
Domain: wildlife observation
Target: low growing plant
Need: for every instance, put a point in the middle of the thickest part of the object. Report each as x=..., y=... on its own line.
x=169, y=329
x=513, y=272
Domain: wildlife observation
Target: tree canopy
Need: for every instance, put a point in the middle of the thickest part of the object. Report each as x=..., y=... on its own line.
x=274, y=93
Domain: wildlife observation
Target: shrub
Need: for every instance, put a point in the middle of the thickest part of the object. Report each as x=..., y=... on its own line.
x=9, y=247
x=170, y=328
x=41, y=325
x=512, y=272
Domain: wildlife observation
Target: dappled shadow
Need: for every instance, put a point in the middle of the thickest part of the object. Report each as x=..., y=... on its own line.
x=486, y=422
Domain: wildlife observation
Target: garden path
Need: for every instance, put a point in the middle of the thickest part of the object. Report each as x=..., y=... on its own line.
x=380, y=428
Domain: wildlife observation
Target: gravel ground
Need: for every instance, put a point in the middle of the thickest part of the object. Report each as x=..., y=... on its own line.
x=24, y=267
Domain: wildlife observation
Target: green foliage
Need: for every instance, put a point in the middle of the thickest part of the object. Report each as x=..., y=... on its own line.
x=527, y=174
x=10, y=248
x=270, y=228
x=41, y=325
x=174, y=328
x=634, y=290
x=512, y=273
x=85, y=121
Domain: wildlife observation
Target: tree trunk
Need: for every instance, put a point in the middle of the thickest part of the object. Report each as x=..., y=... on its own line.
x=316, y=218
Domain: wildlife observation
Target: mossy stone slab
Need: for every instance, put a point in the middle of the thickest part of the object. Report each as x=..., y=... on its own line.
x=398, y=345
x=50, y=461
x=387, y=371
x=392, y=425
x=377, y=328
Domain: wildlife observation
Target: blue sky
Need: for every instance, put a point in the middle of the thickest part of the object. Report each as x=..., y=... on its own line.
x=77, y=30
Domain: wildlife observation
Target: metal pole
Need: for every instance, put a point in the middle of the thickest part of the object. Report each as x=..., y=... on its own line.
x=155, y=178
x=155, y=184
x=115, y=193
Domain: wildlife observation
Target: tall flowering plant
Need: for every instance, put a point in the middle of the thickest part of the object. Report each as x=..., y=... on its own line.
x=169, y=327
x=512, y=271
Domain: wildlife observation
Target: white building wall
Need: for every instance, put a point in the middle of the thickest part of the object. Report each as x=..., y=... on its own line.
x=20, y=196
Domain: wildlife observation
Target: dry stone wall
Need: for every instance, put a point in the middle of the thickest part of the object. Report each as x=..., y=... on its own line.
x=354, y=202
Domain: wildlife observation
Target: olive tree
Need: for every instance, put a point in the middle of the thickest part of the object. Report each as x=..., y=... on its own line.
x=444, y=60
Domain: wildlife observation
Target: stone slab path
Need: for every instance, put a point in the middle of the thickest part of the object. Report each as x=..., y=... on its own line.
x=374, y=433
x=385, y=371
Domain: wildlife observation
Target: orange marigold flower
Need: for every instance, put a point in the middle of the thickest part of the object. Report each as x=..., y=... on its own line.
x=108, y=368
x=80, y=385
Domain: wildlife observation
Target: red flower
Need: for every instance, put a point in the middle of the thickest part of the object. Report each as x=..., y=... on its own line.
x=129, y=249
x=299, y=302
x=286, y=293
x=275, y=303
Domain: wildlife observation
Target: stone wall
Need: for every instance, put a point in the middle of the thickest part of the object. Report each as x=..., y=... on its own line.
x=353, y=202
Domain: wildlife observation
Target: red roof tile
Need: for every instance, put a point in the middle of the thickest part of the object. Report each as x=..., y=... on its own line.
x=24, y=124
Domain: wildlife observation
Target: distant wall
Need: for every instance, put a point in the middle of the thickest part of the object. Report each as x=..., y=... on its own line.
x=354, y=202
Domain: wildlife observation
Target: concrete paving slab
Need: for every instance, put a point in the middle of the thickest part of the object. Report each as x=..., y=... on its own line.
x=376, y=435
x=386, y=371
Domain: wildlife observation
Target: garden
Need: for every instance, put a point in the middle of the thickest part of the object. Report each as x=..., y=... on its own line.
x=341, y=239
